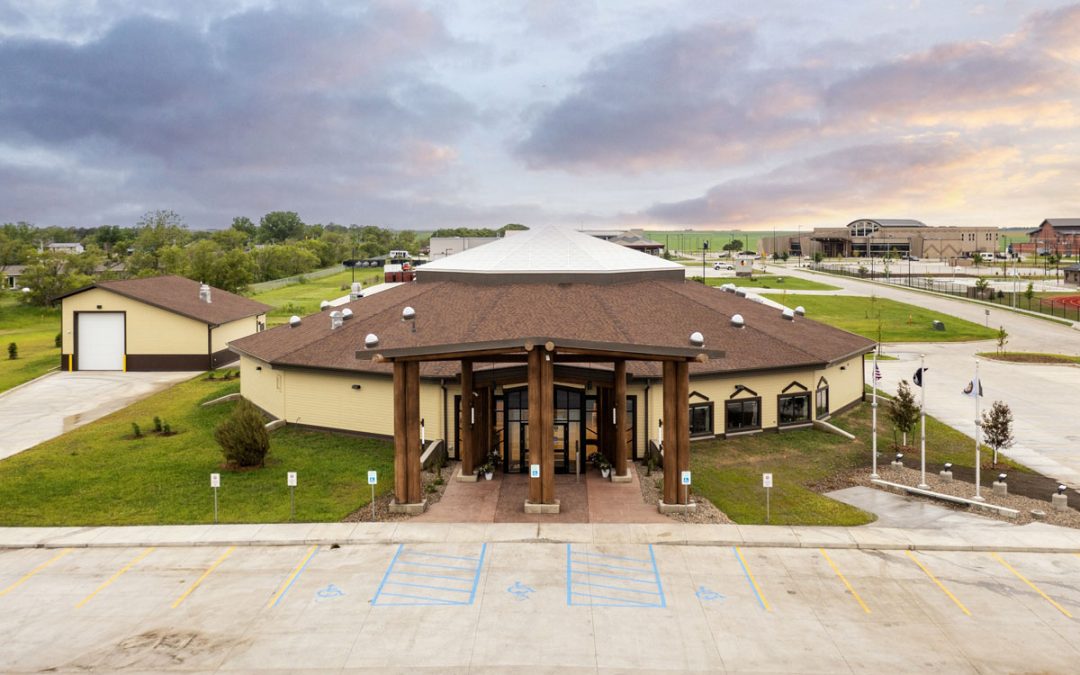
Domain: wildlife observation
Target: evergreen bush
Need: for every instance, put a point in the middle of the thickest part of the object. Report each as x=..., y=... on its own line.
x=243, y=437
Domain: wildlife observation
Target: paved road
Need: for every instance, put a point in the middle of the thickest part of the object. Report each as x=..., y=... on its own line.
x=1042, y=397
x=60, y=402
x=531, y=607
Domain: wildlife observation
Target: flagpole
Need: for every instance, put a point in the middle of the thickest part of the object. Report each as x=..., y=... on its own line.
x=922, y=415
x=976, y=386
x=873, y=413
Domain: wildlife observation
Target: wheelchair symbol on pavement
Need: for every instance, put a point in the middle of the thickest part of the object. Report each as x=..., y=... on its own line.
x=708, y=595
x=520, y=590
x=328, y=593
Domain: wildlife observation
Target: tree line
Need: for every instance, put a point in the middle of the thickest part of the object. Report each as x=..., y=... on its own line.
x=281, y=244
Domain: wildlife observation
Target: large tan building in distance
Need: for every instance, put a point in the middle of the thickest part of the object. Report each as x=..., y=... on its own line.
x=880, y=237
x=544, y=348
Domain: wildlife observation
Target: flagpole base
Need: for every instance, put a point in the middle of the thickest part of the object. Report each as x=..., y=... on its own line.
x=979, y=498
x=923, y=486
x=875, y=476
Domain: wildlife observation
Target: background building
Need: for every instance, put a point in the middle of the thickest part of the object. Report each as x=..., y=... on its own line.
x=881, y=237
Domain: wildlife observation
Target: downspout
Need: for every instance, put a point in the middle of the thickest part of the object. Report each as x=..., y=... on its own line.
x=648, y=422
x=445, y=429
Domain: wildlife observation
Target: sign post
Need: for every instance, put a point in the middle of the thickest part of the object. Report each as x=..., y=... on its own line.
x=684, y=480
x=215, y=483
x=372, y=479
x=290, y=479
x=766, y=482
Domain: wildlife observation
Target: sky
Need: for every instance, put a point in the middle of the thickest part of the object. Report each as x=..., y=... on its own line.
x=625, y=113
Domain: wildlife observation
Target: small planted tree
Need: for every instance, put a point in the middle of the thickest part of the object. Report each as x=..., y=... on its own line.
x=981, y=285
x=12, y=351
x=997, y=427
x=1029, y=292
x=903, y=411
x=243, y=437
x=1002, y=339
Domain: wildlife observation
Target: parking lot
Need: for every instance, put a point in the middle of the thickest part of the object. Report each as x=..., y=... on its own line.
x=471, y=607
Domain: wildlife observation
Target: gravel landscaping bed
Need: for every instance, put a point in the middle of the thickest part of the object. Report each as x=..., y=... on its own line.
x=956, y=488
x=432, y=489
x=705, y=512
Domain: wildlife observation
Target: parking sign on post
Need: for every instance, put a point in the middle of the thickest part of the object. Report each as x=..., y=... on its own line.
x=766, y=482
x=290, y=478
x=372, y=479
x=534, y=471
x=215, y=483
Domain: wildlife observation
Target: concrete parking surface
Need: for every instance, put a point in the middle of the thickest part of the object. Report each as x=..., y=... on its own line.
x=537, y=606
x=59, y=402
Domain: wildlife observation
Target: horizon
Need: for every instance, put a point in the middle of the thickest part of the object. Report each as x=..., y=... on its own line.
x=638, y=115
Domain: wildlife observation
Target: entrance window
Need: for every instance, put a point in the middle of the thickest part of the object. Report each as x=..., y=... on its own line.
x=821, y=403
x=743, y=415
x=793, y=408
x=701, y=419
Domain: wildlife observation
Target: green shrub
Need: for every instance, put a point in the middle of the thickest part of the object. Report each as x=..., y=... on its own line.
x=166, y=429
x=136, y=432
x=59, y=340
x=243, y=437
x=157, y=424
x=12, y=351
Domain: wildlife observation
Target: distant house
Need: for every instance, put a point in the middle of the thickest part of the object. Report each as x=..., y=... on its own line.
x=637, y=240
x=155, y=324
x=66, y=247
x=1072, y=274
x=1059, y=236
x=9, y=275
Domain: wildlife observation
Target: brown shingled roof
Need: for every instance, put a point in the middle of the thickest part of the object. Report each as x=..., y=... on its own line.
x=655, y=313
x=181, y=295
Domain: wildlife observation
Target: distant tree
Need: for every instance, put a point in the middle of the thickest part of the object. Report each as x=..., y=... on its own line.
x=282, y=260
x=1002, y=339
x=243, y=437
x=107, y=237
x=818, y=256
x=733, y=245
x=981, y=285
x=279, y=226
x=997, y=427
x=243, y=225
x=50, y=275
x=977, y=259
x=512, y=226
x=903, y=411
x=232, y=271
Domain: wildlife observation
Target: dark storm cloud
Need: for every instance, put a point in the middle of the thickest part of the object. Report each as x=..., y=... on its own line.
x=255, y=99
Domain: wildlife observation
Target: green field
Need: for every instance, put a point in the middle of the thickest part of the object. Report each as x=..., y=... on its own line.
x=772, y=282
x=304, y=298
x=691, y=240
x=34, y=330
x=728, y=472
x=99, y=475
x=1031, y=357
x=894, y=321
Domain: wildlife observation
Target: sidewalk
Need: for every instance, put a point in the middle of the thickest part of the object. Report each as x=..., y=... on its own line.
x=1035, y=537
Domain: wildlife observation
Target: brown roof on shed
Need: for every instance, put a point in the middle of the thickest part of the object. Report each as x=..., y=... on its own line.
x=659, y=314
x=181, y=295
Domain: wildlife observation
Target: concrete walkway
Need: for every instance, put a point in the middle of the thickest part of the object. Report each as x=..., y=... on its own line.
x=893, y=510
x=59, y=402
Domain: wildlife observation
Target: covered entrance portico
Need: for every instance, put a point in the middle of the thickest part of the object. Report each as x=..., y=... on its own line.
x=539, y=437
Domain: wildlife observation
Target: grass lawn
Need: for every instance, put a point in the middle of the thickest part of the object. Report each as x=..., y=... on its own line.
x=304, y=298
x=774, y=282
x=1030, y=357
x=690, y=240
x=34, y=330
x=99, y=475
x=728, y=472
x=899, y=322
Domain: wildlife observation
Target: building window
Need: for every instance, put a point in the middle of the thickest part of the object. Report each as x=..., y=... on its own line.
x=821, y=402
x=793, y=408
x=701, y=419
x=743, y=415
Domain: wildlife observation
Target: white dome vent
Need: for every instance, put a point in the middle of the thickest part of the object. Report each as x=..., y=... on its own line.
x=737, y=320
x=697, y=339
x=371, y=341
x=294, y=321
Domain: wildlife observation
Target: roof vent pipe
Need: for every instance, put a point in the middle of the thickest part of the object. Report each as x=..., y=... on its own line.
x=788, y=314
x=346, y=313
x=408, y=314
x=697, y=339
x=294, y=321
x=204, y=293
x=800, y=311
x=737, y=321
x=323, y=305
x=336, y=318
x=741, y=292
x=371, y=341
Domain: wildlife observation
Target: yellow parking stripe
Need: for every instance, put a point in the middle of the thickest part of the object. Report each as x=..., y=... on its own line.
x=844, y=579
x=226, y=554
x=292, y=577
x=1033, y=587
x=34, y=571
x=939, y=584
x=114, y=577
x=753, y=582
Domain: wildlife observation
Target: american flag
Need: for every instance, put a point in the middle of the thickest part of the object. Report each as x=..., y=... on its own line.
x=877, y=374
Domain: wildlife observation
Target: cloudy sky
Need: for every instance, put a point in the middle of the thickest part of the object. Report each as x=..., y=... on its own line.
x=619, y=113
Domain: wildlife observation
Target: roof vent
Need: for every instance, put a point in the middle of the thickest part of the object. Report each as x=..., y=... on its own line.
x=697, y=339
x=371, y=341
x=346, y=313
x=294, y=321
x=800, y=310
x=408, y=314
x=204, y=293
x=737, y=320
x=336, y=318
x=324, y=304
x=788, y=314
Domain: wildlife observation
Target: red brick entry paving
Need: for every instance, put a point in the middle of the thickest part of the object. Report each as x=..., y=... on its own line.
x=590, y=499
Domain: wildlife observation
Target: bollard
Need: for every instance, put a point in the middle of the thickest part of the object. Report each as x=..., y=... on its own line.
x=898, y=463
x=946, y=473
x=1059, y=499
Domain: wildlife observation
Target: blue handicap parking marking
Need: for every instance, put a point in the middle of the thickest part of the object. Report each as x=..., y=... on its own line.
x=520, y=590
x=708, y=595
x=417, y=577
x=603, y=580
x=331, y=592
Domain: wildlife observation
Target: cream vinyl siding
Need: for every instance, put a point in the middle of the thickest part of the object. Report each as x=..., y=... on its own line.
x=234, y=330
x=149, y=330
x=265, y=388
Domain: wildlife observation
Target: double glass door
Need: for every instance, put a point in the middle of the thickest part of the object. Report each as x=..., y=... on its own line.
x=566, y=430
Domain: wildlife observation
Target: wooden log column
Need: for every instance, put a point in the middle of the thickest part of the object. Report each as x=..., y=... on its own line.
x=622, y=431
x=676, y=430
x=541, y=380
x=407, y=490
x=468, y=438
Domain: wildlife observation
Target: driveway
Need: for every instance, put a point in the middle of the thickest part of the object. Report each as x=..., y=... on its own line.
x=59, y=402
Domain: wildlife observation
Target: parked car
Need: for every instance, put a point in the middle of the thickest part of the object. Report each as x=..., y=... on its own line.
x=913, y=258
x=723, y=266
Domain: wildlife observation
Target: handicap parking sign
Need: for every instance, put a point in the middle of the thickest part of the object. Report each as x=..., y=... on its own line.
x=684, y=479
x=534, y=471
x=372, y=478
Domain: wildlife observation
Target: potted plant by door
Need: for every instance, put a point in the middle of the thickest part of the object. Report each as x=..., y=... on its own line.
x=488, y=469
x=600, y=462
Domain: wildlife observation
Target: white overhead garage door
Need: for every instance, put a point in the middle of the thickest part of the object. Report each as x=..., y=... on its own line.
x=101, y=341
